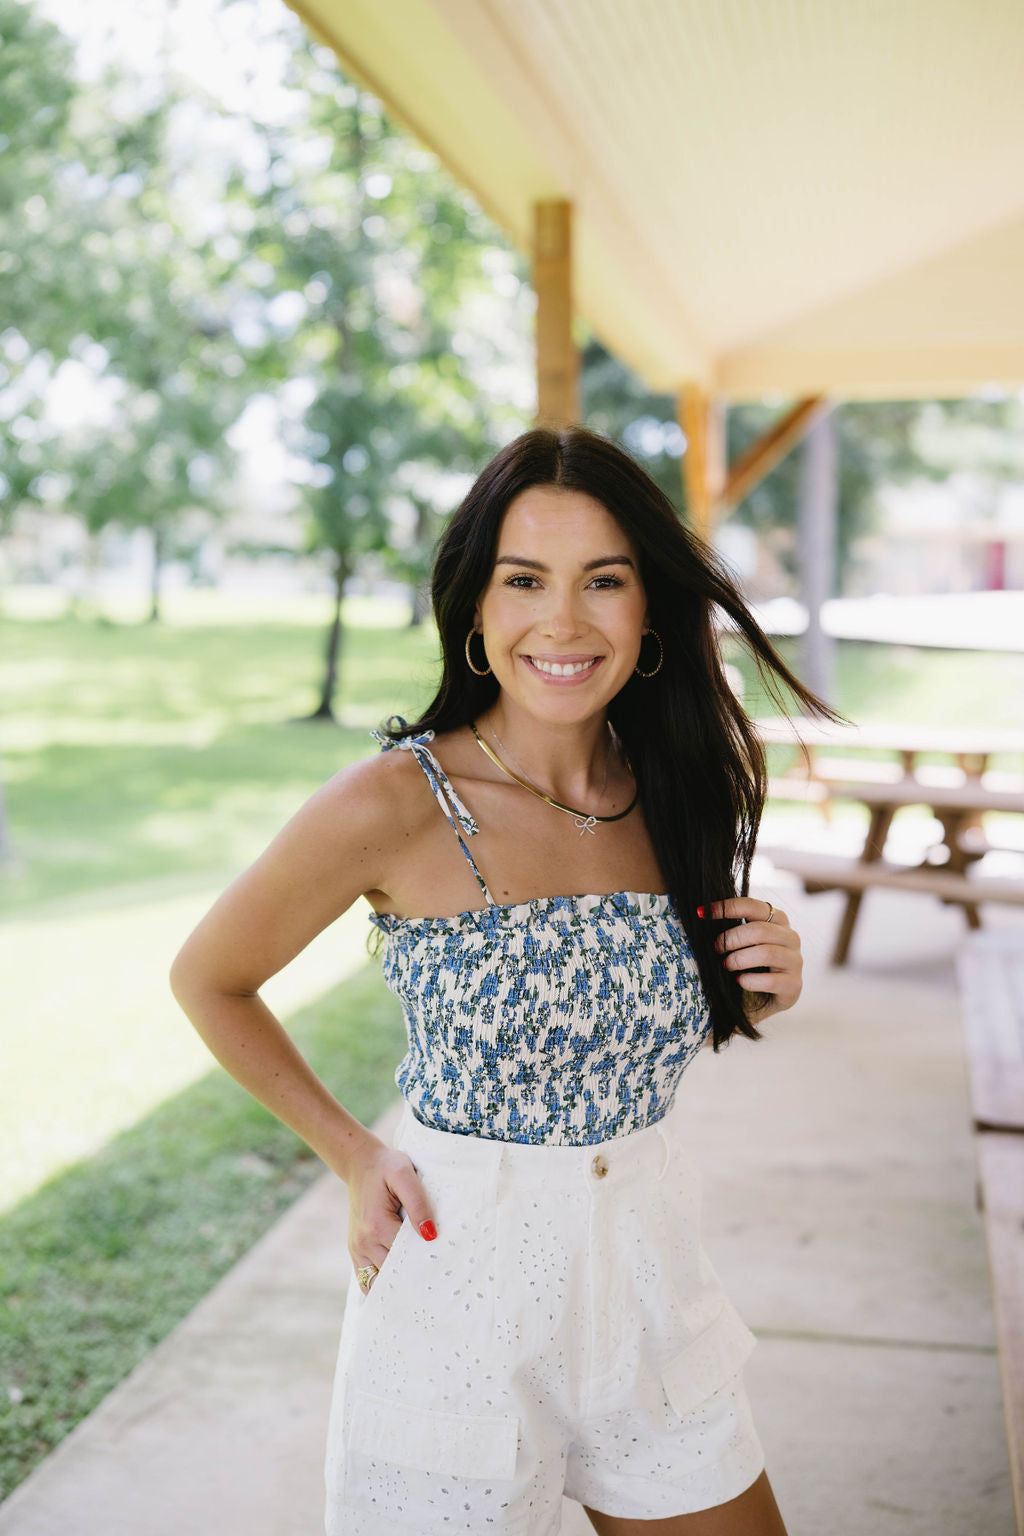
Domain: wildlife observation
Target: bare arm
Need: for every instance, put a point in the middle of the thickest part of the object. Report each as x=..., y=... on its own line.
x=338, y=846
x=332, y=850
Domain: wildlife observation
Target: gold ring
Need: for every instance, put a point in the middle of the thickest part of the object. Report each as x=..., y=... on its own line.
x=771, y=911
x=366, y=1274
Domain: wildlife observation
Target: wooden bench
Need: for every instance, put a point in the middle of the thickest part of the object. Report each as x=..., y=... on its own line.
x=959, y=807
x=807, y=791
x=833, y=872
x=967, y=796
x=835, y=769
x=814, y=789
x=971, y=748
x=990, y=971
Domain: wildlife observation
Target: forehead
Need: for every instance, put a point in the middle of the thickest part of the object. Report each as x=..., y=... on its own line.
x=547, y=515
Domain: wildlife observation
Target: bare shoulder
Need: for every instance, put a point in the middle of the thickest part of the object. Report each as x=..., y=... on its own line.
x=370, y=807
x=342, y=843
x=460, y=756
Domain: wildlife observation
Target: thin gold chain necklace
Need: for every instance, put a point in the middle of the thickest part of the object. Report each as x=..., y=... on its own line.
x=604, y=781
x=584, y=822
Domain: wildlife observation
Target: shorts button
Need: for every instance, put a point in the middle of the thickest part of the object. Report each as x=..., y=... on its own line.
x=600, y=1167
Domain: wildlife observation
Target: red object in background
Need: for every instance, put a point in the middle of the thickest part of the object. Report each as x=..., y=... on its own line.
x=995, y=565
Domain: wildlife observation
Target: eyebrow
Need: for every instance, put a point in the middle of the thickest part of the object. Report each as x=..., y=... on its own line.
x=590, y=565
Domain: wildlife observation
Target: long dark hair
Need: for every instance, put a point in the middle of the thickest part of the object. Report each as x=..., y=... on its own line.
x=699, y=763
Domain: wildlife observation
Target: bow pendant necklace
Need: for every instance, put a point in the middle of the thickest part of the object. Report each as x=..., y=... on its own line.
x=581, y=820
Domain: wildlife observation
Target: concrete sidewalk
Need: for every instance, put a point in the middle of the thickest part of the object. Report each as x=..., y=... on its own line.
x=839, y=1210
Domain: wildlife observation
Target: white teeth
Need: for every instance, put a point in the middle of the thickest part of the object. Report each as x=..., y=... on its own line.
x=557, y=669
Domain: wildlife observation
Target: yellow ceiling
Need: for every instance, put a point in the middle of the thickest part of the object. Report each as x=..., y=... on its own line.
x=771, y=197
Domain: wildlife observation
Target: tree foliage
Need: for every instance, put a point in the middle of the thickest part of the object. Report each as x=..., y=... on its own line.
x=168, y=258
x=373, y=252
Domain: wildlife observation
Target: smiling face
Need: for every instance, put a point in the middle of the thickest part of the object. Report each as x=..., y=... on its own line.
x=565, y=608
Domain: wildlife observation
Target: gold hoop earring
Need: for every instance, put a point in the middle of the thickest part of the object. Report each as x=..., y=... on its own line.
x=469, y=658
x=661, y=656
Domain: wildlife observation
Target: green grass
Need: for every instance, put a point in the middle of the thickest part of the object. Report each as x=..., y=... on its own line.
x=101, y=1262
x=908, y=685
x=134, y=754
x=144, y=766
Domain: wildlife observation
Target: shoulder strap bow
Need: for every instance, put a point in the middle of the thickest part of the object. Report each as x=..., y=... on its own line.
x=438, y=779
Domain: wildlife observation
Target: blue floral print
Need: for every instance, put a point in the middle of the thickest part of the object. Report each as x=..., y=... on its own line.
x=563, y=1020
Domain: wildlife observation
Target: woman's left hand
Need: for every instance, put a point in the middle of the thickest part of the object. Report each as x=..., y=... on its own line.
x=758, y=942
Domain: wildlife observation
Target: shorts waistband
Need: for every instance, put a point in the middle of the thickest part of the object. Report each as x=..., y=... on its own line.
x=646, y=1152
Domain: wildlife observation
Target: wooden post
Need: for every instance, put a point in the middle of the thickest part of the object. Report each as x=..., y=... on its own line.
x=711, y=485
x=558, y=364
x=704, y=468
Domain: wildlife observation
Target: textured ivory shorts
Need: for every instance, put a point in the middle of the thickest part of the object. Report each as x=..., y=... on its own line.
x=565, y=1333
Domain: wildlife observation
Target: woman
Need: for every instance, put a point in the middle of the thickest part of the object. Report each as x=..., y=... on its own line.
x=531, y=1311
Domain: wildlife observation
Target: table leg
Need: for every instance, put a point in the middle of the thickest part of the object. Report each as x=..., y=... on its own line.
x=954, y=823
x=874, y=843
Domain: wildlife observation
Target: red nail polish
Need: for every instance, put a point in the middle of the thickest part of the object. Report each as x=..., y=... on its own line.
x=700, y=911
x=428, y=1230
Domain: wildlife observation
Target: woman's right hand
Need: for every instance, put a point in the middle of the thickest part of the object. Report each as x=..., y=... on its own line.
x=380, y=1185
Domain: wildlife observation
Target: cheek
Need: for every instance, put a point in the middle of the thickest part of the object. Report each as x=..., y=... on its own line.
x=500, y=615
x=629, y=620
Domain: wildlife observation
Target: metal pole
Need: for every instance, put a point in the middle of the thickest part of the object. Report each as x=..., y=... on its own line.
x=819, y=503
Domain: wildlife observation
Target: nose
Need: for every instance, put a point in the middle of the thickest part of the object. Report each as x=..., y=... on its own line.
x=561, y=618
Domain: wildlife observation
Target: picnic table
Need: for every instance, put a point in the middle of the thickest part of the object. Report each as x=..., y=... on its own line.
x=958, y=796
x=970, y=748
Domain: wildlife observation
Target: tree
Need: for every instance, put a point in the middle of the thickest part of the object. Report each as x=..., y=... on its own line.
x=113, y=282
x=36, y=92
x=372, y=249
x=35, y=97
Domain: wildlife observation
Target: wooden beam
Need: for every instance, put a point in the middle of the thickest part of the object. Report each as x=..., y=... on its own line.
x=558, y=363
x=711, y=487
x=757, y=461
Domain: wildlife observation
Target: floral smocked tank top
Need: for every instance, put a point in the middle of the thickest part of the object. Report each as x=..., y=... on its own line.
x=563, y=1020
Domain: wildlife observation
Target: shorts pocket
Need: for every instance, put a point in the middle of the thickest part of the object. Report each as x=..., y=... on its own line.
x=709, y=1360
x=431, y=1472
x=384, y=1278
x=463, y=1445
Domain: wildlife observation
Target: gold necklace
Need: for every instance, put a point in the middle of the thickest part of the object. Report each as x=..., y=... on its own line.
x=584, y=822
x=604, y=781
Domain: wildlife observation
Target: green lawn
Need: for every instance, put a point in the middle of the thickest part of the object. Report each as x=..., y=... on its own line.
x=102, y=1261
x=140, y=755
x=144, y=767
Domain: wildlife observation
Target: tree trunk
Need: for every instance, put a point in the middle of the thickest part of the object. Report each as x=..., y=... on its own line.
x=420, y=605
x=83, y=600
x=420, y=589
x=325, y=709
x=154, y=588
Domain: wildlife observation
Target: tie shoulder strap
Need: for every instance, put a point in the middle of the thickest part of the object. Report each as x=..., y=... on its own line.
x=436, y=776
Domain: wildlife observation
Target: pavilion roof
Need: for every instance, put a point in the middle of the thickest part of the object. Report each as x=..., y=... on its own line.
x=770, y=197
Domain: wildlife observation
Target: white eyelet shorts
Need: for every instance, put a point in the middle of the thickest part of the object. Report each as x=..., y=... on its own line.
x=565, y=1333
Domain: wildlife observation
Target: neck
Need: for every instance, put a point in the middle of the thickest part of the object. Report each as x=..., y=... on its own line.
x=568, y=761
